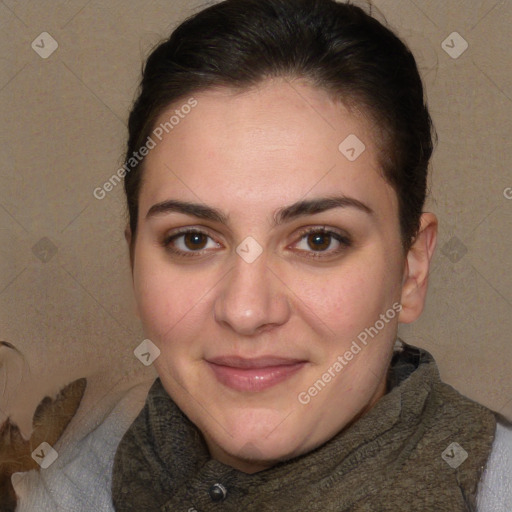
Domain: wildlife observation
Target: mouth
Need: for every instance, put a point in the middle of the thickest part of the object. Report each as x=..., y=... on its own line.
x=252, y=375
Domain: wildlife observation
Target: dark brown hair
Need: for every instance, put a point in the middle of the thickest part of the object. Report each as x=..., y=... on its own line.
x=335, y=46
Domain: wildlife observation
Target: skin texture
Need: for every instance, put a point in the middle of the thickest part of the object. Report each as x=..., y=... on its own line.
x=249, y=154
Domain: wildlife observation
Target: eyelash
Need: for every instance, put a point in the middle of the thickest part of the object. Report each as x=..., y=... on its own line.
x=345, y=242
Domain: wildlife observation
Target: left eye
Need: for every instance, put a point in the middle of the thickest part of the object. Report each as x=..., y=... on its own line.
x=320, y=240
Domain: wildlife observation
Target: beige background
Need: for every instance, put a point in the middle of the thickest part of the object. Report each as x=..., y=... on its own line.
x=65, y=297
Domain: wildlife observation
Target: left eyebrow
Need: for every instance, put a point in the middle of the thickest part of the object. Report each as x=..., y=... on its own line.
x=282, y=215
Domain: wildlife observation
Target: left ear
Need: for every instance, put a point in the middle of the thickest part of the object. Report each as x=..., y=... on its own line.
x=417, y=265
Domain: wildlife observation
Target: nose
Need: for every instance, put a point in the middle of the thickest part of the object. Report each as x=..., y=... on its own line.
x=252, y=298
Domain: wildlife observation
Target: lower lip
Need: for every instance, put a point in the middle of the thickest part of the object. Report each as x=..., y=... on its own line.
x=254, y=379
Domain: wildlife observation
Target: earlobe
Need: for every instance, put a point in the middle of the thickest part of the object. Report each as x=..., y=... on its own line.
x=416, y=269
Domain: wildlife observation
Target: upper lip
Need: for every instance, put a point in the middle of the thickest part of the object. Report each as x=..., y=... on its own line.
x=257, y=362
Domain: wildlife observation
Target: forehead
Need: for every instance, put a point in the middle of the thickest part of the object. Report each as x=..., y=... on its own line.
x=265, y=146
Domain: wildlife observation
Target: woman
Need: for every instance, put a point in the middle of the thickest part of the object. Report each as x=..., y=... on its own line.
x=275, y=178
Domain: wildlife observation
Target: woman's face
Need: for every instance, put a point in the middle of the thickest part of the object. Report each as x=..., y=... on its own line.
x=273, y=335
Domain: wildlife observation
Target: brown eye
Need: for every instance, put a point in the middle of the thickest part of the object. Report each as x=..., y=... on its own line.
x=194, y=241
x=189, y=242
x=320, y=242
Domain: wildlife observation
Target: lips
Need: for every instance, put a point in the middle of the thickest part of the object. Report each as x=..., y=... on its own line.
x=253, y=375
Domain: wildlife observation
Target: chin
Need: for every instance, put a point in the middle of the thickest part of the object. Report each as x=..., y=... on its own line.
x=257, y=438
x=251, y=455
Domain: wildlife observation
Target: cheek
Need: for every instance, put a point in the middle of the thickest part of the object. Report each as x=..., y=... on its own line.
x=351, y=296
x=167, y=298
